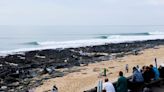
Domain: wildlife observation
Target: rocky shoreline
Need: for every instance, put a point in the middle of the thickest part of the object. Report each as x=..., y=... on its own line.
x=20, y=72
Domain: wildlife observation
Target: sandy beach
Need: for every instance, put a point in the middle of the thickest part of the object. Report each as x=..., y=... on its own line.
x=88, y=76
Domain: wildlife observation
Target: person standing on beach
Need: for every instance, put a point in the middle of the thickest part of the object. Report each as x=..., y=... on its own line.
x=105, y=70
x=54, y=89
x=108, y=86
x=127, y=68
x=121, y=85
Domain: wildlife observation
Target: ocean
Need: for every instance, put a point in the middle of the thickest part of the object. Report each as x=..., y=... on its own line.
x=27, y=38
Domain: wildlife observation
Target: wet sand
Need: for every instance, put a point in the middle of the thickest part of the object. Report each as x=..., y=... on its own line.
x=88, y=76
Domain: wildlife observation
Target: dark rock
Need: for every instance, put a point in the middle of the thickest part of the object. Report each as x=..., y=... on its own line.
x=15, y=84
x=32, y=73
x=9, y=80
x=23, y=67
x=61, y=65
x=57, y=74
x=49, y=70
x=14, y=75
x=35, y=65
x=3, y=88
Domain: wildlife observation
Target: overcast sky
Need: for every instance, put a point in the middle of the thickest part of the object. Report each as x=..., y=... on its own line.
x=81, y=12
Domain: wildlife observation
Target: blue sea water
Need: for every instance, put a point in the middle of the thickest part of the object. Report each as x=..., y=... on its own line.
x=26, y=38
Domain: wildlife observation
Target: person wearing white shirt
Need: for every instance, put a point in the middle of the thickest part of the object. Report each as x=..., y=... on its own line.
x=108, y=86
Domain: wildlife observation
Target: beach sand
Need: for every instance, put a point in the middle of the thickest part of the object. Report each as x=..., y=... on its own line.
x=88, y=78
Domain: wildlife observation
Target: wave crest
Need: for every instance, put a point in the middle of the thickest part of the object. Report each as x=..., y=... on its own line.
x=156, y=33
x=31, y=43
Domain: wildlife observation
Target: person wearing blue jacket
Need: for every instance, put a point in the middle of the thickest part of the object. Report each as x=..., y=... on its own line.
x=156, y=72
x=137, y=76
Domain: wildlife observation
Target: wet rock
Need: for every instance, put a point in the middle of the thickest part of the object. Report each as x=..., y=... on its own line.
x=26, y=82
x=3, y=88
x=21, y=68
x=15, y=84
x=9, y=80
x=32, y=73
x=57, y=74
x=12, y=90
x=14, y=75
x=38, y=56
x=49, y=70
x=34, y=65
x=61, y=65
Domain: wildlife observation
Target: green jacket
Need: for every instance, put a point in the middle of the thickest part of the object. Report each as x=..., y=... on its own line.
x=121, y=85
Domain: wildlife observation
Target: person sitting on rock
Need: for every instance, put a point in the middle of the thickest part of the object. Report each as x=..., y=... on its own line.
x=137, y=75
x=152, y=73
x=143, y=69
x=108, y=86
x=138, y=68
x=156, y=72
x=137, y=80
x=161, y=71
x=121, y=83
x=146, y=75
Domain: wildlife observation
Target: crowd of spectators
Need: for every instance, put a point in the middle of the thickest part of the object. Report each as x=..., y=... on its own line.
x=138, y=78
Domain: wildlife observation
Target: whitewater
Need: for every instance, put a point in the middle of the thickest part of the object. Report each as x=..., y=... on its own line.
x=92, y=41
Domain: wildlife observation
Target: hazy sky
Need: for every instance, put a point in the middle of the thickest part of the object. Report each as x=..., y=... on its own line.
x=81, y=12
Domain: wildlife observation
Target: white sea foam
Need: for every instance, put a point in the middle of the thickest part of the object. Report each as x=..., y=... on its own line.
x=156, y=33
x=83, y=43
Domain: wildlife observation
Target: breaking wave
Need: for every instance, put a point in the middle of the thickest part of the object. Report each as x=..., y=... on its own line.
x=102, y=39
